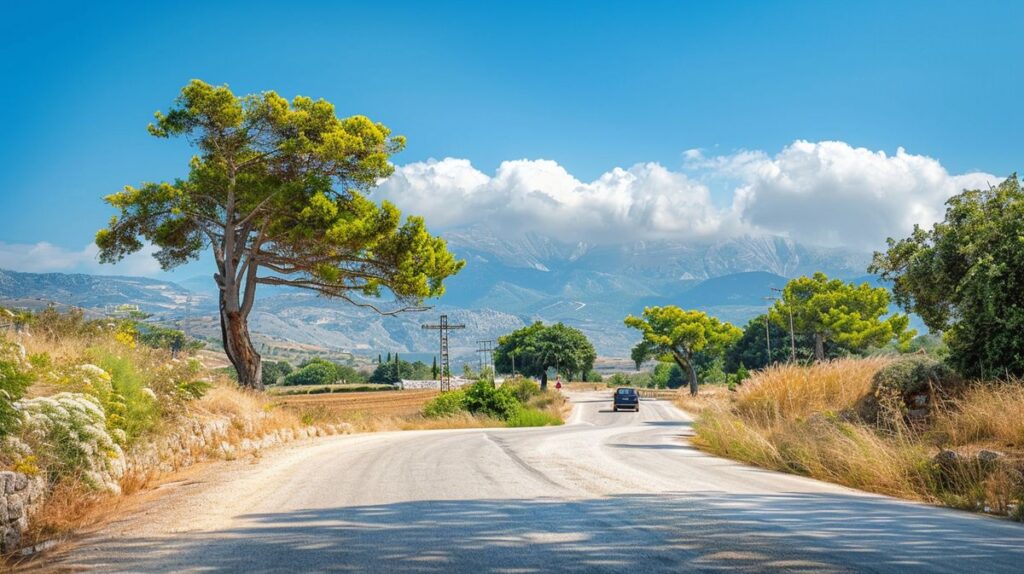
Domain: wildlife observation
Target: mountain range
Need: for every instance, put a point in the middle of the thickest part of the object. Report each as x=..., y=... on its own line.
x=507, y=282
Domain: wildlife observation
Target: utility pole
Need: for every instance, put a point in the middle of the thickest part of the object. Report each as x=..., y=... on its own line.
x=442, y=327
x=792, y=332
x=767, y=331
x=486, y=352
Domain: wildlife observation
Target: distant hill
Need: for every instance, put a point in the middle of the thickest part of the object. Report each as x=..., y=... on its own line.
x=97, y=291
x=506, y=284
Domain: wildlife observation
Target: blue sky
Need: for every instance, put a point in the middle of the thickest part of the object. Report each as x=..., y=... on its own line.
x=590, y=86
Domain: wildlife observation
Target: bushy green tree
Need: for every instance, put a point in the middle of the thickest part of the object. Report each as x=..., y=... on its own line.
x=322, y=372
x=160, y=337
x=965, y=277
x=854, y=316
x=277, y=187
x=393, y=372
x=539, y=347
x=678, y=335
x=275, y=371
x=751, y=349
x=667, y=376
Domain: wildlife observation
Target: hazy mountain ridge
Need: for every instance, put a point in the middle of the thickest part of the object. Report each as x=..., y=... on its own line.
x=506, y=284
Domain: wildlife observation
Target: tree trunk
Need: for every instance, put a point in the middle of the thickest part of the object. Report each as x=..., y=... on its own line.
x=544, y=379
x=819, y=347
x=686, y=364
x=693, y=378
x=239, y=348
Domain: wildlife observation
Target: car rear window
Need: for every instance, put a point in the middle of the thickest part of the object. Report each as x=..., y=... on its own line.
x=626, y=392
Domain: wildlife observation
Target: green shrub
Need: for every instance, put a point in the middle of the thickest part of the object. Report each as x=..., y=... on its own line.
x=483, y=398
x=273, y=372
x=14, y=380
x=594, y=377
x=68, y=432
x=912, y=374
x=446, y=404
x=618, y=380
x=131, y=406
x=318, y=372
x=533, y=418
x=522, y=389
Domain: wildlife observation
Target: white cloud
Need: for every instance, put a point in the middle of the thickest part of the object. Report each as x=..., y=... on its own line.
x=834, y=194
x=45, y=257
x=824, y=193
x=646, y=200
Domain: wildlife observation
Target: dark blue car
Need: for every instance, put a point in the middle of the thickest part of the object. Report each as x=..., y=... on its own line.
x=626, y=398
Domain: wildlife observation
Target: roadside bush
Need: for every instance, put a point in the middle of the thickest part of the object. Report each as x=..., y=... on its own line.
x=131, y=406
x=533, y=418
x=68, y=434
x=273, y=372
x=483, y=398
x=318, y=372
x=522, y=389
x=14, y=380
x=893, y=386
x=594, y=377
x=617, y=380
x=446, y=404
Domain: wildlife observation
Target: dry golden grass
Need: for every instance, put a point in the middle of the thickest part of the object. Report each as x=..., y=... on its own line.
x=786, y=392
x=990, y=413
x=802, y=420
x=392, y=403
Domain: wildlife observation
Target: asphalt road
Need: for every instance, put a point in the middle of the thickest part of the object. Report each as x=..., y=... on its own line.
x=608, y=492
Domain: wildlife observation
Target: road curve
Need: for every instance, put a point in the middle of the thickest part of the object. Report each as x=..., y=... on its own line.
x=608, y=492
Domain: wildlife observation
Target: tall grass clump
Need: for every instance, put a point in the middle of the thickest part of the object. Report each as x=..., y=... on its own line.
x=988, y=413
x=812, y=420
x=788, y=392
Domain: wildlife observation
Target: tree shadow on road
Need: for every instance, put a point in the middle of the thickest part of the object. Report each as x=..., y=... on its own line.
x=637, y=533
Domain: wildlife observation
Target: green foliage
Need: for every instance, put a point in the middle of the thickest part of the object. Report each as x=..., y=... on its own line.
x=965, y=277
x=484, y=398
x=913, y=374
x=159, y=337
x=667, y=376
x=538, y=347
x=446, y=404
x=68, y=433
x=132, y=406
x=274, y=372
x=322, y=372
x=618, y=380
x=14, y=381
x=527, y=417
x=752, y=348
x=856, y=317
x=672, y=333
x=522, y=389
x=594, y=377
x=288, y=179
x=392, y=372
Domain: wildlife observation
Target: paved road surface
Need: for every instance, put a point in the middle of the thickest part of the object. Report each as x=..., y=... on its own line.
x=609, y=492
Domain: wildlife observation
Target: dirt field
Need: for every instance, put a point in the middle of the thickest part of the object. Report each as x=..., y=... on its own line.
x=393, y=403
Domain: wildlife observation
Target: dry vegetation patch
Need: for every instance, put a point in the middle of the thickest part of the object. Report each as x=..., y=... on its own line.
x=806, y=420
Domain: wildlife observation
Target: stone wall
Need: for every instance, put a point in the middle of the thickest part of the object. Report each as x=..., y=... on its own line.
x=457, y=382
x=193, y=441
x=19, y=496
